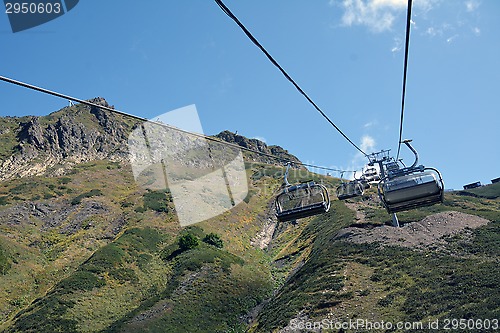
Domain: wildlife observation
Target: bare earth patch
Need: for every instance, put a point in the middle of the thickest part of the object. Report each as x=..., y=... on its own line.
x=420, y=235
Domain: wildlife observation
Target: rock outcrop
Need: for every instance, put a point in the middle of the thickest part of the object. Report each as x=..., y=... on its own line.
x=72, y=135
x=51, y=145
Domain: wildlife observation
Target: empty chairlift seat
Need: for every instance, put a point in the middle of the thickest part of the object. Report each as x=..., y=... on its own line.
x=350, y=190
x=370, y=175
x=411, y=189
x=302, y=200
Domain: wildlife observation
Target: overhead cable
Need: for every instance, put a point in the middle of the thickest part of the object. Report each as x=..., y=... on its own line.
x=407, y=46
x=287, y=76
x=202, y=136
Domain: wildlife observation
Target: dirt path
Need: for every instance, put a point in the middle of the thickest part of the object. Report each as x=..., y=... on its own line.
x=360, y=215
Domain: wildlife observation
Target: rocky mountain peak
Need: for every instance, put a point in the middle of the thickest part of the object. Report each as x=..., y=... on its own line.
x=52, y=144
x=257, y=145
x=71, y=135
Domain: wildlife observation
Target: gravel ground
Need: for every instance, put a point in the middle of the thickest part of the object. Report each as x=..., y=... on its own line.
x=423, y=234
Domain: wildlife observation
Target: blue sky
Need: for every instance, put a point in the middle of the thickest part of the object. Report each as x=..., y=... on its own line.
x=148, y=58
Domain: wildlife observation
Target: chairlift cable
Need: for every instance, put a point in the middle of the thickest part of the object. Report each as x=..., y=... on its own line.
x=407, y=45
x=287, y=76
x=198, y=135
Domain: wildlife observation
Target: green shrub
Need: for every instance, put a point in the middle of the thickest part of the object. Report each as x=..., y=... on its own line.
x=4, y=262
x=45, y=316
x=23, y=188
x=187, y=242
x=64, y=180
x=81, y=280
x=156, y=200
x=124, y=275
x=126, y=204
x=136, y=240
x=91, y=193
x=3, y=200
x=140, y=209
x=105, y=258
x=214, y=239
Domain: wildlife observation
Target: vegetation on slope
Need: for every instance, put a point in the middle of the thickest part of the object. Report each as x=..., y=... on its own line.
x=342, y=281
x=90, y=251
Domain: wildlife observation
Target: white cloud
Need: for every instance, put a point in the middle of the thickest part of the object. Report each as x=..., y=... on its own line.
x=367, y=143
x=431, y=31
x=389, y=3
x=381, y=16
x=398, y=45
x=370, y=124
x=450, y=40
x=377, y=15
x=471, y=5
x=359, y=160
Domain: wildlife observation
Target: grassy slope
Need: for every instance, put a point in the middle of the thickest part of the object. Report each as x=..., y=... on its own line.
x=41, y=255
x=342, y=281
x=138, y=281
x=129, y=275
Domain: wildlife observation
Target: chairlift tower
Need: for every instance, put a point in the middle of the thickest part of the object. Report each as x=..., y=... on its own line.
x=380, y=158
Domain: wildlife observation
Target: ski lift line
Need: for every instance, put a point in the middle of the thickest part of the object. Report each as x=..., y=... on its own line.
x=287, y=76
x=407, y=46
x=201, y=136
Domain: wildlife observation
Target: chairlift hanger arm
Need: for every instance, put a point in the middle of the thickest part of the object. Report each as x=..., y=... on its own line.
x=285, y=177
x=407, y=143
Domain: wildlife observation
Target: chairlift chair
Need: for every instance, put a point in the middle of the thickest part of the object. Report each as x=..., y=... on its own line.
x=301, y=200
x=370, y=175
x=411, y=187
x=392, y=166
x=354, y=188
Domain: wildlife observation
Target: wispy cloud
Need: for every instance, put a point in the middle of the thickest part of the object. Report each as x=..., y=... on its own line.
x=370, y=124
x=471, y=5
x=377, y=15
x=450, y=40
x=380, y=16
x=431, y=31
x=398, y=45
x=439, y=30
x=367, y=145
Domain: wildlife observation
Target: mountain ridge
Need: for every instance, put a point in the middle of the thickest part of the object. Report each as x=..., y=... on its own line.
x=80, y=133
x=88, y=250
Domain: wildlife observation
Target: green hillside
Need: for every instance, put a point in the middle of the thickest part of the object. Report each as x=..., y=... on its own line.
x=88, y=250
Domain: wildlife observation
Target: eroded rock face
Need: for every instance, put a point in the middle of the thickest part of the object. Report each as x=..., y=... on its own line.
x=50, y=145
x=72, y=135
x=257, y=145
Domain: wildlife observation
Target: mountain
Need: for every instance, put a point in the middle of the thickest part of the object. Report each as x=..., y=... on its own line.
x=51, y=145
x=83, y=248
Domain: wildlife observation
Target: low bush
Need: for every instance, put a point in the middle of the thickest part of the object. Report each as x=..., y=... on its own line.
x=214, y=239
x=188, y=242
x=92, y=193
